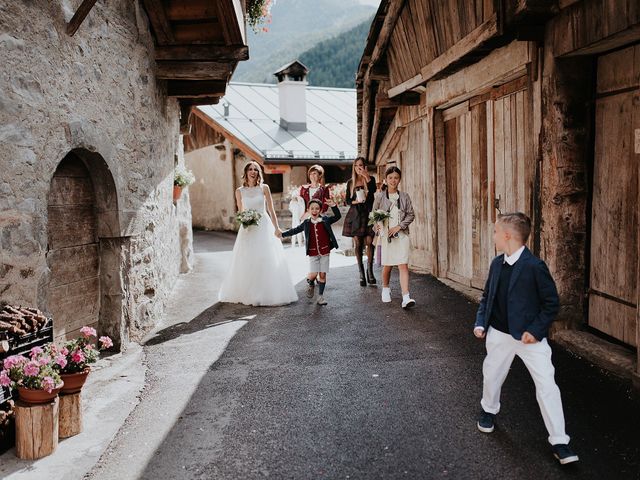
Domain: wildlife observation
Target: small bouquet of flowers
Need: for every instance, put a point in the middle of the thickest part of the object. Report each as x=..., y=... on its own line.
x=38, y=371
x=338, y=193
x=246, y=218
x=378, y=216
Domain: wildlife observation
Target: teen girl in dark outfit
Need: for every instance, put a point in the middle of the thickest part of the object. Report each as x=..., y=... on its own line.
x=356, y=223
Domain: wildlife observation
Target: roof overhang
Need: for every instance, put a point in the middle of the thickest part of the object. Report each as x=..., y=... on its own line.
x=198, y=46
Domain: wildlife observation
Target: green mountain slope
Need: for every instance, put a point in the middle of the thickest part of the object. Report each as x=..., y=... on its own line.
x=333, y=62
x=297, y=26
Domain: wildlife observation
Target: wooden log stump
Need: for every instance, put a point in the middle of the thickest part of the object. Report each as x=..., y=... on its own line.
x=36, y=429
x=70, y=415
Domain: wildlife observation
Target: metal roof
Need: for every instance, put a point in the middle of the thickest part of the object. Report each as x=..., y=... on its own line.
x=254, y=118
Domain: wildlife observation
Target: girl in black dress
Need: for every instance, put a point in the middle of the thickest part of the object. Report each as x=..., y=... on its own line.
x=360, y=190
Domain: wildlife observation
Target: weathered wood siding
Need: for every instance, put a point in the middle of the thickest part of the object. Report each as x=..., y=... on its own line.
x=417, y=180
x=73, y=251
x=614, y=228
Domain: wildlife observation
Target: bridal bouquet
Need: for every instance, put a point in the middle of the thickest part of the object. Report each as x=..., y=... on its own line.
x=338, y=193
x=246, y=218
x=378, y=216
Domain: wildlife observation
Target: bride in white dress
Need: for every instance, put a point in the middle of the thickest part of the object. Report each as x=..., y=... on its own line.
x=258, y=274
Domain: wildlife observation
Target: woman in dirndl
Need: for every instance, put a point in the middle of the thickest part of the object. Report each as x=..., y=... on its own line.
x=360, y=193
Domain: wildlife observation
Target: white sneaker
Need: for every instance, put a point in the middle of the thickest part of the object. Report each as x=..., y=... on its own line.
x=407, y=301
x=321, y=300
x=386, y=294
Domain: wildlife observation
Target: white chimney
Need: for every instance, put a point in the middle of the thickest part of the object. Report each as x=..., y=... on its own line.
x=292, y=86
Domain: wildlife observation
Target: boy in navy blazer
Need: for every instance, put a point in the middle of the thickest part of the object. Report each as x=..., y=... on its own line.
x=519, y=303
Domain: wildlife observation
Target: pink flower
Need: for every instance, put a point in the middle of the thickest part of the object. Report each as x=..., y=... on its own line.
x=61, y=360
x=44, y=361
x=5, y=381
x=77, y=356
x=48, y=384
x=31, y=369
x=13, y=360
x=64, y=351
x=89, y=347
x=106, y=342
x=88, y=332
x=35, y=351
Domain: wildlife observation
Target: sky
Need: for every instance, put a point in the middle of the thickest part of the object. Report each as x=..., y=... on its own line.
x=373, y=3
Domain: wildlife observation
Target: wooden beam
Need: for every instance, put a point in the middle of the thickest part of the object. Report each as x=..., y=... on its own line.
x=196, y=88
x=390, y=20
x=500, y=66
x=219, y=53
x=406, y=86
x=408, y=98
x=78, y=17
x=232, y=21
x=159, y=21
x=473, y=40
x=193, y=70
x=199, y=101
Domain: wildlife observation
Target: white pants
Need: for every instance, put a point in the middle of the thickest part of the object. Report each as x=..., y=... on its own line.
x=501, y=349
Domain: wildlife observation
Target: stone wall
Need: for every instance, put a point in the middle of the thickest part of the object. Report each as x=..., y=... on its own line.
x=94, y=93
x=212, y=195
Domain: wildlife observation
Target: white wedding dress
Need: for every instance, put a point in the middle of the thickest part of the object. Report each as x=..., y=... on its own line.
x=258, y=274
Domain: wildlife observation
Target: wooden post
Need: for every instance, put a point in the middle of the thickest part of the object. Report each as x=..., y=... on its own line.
x=70, y=415
x=36, y=429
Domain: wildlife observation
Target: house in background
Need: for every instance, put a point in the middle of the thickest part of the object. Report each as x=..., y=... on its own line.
x=492, y=107
x=285, y=127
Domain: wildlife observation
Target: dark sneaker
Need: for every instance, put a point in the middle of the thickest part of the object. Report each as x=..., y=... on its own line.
x=485, y=422
x=311, y=289
x=564, y=454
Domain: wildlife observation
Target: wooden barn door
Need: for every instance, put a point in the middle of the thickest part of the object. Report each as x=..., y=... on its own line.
x=464, y=199
x=513, y=165
x=613, y=294
x=73, y=254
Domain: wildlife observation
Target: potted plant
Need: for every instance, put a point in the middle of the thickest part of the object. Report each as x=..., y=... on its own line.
x=35, y=377
x=181, y=178
x=73, y=360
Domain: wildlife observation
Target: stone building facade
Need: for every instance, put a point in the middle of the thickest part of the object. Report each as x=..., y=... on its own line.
x=88, y=145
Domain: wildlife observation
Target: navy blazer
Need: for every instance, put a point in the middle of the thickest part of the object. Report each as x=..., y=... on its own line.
x=306, y=226
x=532, y=303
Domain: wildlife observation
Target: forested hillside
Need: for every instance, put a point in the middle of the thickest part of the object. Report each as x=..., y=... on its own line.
x=297, y=26
x=333, y=62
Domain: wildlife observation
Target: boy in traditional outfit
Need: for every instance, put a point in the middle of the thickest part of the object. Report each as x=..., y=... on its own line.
x=319, y=241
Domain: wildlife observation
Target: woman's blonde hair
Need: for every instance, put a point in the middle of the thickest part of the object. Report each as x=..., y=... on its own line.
x=245, y=178
x=354, y=176
x=316, y=168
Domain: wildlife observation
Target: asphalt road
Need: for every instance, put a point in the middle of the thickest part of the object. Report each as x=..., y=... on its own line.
x=361, y=389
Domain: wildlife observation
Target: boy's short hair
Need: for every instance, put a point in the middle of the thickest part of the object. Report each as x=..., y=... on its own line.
x=518, y=222
x=314, y=200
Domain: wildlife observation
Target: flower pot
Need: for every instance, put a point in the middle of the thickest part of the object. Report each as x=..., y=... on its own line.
x=29, y=395
x=177, y=192
x=73, y=382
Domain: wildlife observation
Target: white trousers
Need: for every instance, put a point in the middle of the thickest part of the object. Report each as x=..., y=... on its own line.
x=501, y=349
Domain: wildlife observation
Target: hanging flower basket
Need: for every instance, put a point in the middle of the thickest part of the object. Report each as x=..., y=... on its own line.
x=259, y=14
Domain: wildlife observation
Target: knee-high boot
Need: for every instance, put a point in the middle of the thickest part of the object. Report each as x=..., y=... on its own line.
x=370, y=278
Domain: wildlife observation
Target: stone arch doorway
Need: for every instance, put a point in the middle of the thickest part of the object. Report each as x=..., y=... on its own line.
x=85, y=248
x=73, y=249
